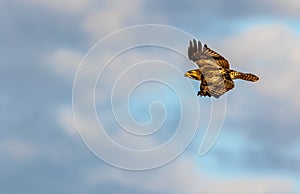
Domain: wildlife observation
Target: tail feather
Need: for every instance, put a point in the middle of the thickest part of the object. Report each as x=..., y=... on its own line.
x=243, y=76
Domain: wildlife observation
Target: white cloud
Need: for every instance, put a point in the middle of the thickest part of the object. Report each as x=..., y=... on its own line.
x=115, y=15
x=289, y=7
x=19, y=150
x=110, y=17
x=271, y=52
x=66, y=6
x=64, y=61
x=181, y=176
x=66, y=120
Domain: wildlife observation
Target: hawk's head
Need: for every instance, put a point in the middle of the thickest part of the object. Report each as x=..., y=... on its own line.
x=193, y=74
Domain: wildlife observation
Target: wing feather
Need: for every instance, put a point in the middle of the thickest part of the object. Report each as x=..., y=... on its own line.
x=196, y=52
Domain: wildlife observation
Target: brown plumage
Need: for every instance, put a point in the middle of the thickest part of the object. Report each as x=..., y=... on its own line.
x=213, y=71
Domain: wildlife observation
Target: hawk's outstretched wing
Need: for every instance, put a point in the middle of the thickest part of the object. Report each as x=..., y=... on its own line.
x=196, y=52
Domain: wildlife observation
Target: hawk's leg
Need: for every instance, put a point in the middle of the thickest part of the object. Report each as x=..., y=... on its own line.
x=204, y=90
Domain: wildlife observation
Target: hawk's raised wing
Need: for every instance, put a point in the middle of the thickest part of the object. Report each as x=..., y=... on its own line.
x=196, y=52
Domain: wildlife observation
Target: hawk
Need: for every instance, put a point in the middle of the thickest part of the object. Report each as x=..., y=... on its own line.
x=213, y=71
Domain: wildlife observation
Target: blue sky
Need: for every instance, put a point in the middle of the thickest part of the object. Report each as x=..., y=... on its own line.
x=41, y=47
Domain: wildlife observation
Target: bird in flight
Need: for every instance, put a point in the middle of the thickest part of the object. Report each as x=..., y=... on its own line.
x=213, y=71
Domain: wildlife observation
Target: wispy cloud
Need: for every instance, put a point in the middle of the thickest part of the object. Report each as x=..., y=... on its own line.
x=181, y=177
x=43, y=43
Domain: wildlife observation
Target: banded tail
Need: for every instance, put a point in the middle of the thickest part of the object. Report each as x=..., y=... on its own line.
x=243, y=76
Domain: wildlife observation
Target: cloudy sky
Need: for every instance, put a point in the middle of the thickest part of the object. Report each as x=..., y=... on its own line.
x=141, y=99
